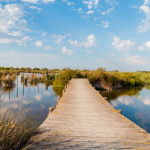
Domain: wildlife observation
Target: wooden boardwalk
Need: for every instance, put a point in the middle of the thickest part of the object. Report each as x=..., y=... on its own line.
x=83, y=119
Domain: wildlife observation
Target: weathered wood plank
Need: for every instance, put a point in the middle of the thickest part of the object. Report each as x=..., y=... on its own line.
x=83, y=119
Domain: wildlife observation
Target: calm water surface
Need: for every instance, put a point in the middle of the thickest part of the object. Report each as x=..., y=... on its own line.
x=135, y=104
x=44, y=96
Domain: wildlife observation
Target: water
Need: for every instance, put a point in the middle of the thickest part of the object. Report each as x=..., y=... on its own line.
x=135, y=104
x=44, y=96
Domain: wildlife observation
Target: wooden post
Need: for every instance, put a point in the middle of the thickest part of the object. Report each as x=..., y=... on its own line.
x=38, y=81
x=119, y=111
x=9, y=79
x=51, y=109
x=17, y=84
x=23, y=84
x=47, y=75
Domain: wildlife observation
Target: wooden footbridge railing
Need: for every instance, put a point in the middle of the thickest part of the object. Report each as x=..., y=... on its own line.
x=83, y=119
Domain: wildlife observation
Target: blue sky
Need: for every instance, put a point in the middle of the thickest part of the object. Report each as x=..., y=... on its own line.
x=83, y=34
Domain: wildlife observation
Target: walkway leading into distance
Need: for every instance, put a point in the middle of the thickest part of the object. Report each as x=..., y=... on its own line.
x=83, y=119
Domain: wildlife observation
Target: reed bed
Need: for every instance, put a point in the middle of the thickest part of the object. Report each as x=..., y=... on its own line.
x=14, y=132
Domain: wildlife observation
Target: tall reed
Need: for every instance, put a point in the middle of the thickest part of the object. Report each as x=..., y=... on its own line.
x=14, y=132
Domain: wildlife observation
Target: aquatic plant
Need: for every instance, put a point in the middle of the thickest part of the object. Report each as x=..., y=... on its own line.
x=14, y=132
x=62, y=79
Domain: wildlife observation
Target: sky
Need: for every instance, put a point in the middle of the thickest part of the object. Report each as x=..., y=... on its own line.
x=82, y=34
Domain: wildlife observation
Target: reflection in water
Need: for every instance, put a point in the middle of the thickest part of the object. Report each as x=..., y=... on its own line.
x=22, y=93
x=135, y=104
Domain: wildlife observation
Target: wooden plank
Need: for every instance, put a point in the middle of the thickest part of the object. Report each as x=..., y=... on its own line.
x=83, y=119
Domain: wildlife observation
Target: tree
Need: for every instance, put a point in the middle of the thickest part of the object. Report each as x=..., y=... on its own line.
x=102, y=69
x=28, y=69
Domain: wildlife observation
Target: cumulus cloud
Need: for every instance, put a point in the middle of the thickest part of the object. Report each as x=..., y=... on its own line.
x=146, y=101
x=36, y=1
x=90, y=12
x=146, y=2
x=34, y=7
x=91, y=2
x=91, y=52
x=58, y=38
x=135, y=60
x=39, y=44
x=47, y=47
x=141, y=48
x=80, y=10
x=89, y=43
x=105, y=24
x=66, y=51
x=147, y=44
x=122, y=44
x=38, y=97
x=145, y=25
x=108, y=11
x=70, y=3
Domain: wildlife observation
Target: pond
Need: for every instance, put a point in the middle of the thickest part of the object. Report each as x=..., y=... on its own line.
x=135, y=104
x=44, y=96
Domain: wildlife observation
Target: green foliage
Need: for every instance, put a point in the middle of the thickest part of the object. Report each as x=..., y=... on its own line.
x=125, y=79
x=62, y=80
x=36, y=68
x=22, y=68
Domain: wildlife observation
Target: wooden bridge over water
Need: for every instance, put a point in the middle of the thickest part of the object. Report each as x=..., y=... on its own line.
x=83, y=119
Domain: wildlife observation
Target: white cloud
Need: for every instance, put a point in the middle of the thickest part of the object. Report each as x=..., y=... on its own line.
x=80, y=10
x=146, y=2
x=39, y=44
x=64, y=0
x=10, y=41
x=91, y=52
x=145, y=25
x=146, y=101
x=108, y=11
x=43, y=34
x=47, y=94
x=135, y=60
x=89, y=43
x=70, y=3
x=66, y=51
x=15, y=33
x=34, y=7
x=90, y=6
x=90, y=12
x=46, y=1
x=47, y=47
x=75, y=43
x=111, y=2
x=147, y=44
x=27, y=38
x=123, y=44
x=9, y=16
x=105, y=24
x=59, y=38
x=30, y=1
x=141, y=48
x=91, y=2
x=102, y=61
x=38, y=97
